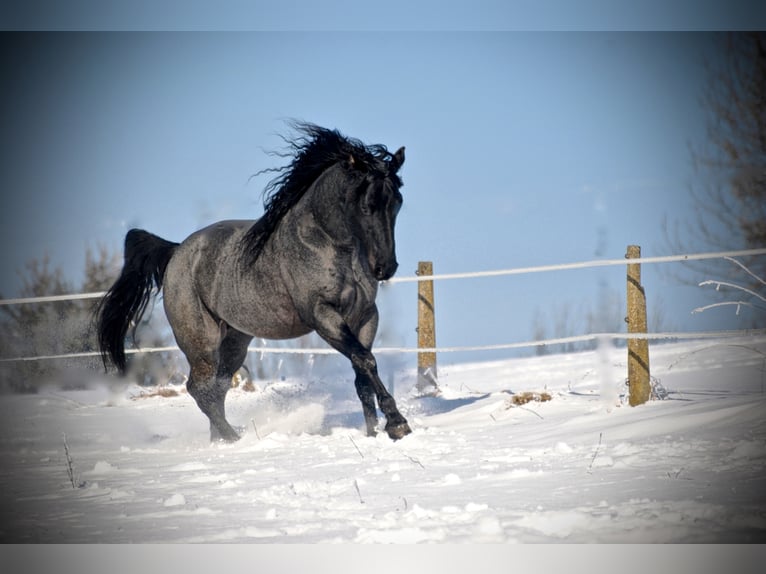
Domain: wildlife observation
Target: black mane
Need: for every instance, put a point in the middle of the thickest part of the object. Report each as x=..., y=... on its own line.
x=313, y=151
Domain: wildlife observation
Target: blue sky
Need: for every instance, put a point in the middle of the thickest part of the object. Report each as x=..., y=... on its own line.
x=417, y=15
x=522, y=149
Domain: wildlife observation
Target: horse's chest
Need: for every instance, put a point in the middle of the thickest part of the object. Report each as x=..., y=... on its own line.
x=358, y=291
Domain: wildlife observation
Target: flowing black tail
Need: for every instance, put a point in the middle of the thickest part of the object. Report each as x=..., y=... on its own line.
x=146, y=258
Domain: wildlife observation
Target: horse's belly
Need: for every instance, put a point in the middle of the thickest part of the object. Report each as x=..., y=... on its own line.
x=273, y=319
x=269, y=330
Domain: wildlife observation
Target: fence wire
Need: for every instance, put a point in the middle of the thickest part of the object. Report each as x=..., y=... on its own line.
x=497, y=347
x=679, y=336
x=467, y=275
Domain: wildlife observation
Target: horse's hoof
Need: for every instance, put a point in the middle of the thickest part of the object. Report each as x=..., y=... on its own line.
x=224, y=440
x=227, y=437
x=397, y=431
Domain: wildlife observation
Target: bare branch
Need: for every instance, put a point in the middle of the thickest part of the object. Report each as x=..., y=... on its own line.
x=720, y=284
x=747, y=270
x=726, y=303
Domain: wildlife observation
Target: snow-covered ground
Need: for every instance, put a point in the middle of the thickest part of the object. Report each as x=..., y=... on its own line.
x=582, y=467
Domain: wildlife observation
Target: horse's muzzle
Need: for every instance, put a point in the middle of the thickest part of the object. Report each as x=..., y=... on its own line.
x=383, y=273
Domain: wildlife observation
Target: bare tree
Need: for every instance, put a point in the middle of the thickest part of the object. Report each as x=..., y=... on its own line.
x=51, y=328
x=562, y=320
x=730, y=206
x=604, y=314
x=101, y=269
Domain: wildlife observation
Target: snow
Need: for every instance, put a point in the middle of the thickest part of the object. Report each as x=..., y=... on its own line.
x=582, y=467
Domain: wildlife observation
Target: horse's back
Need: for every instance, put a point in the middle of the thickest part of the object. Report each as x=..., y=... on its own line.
x=218, y=234
x=200, y=265
x=210, y=251
x=209, y=274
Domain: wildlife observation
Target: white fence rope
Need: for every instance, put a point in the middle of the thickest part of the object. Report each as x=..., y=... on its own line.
x=496, y=273
x=472, y=274
x=52, y=298
x=582, y=265
x=383, y=350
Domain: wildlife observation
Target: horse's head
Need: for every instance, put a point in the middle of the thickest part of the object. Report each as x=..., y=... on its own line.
x=377, y=204
x=354, y=190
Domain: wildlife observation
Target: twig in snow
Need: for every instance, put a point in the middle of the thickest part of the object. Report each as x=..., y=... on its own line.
x=526, y=409
x=356, y=485
x=416, y=461
x=255, y=428
x=595, y=453
x=356, y=447
x=517, y=400
x=73, y=478
x=676, y=474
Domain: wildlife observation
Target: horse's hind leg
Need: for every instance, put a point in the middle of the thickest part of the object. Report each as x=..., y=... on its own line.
x=201, y=338
x=233, y=352
x=209, y=392
x=211, y=380
x=231, y=355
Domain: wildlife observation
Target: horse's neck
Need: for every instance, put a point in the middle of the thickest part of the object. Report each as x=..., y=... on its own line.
x=326, y=203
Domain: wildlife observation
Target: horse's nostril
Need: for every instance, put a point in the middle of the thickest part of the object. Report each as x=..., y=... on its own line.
x=383, y=272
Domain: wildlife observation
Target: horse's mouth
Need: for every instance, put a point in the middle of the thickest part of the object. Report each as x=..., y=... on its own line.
x=385, y=273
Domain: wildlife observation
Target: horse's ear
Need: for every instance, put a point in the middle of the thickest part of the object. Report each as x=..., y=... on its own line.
x=397, y=160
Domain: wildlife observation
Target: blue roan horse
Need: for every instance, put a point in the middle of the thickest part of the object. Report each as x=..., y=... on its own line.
x=311, y=263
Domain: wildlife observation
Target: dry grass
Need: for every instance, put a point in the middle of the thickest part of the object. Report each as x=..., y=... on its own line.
x=169, y=392
x=165, y=392
x=528, y=397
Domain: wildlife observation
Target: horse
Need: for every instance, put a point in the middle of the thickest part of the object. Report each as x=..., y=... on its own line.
x=312, y=262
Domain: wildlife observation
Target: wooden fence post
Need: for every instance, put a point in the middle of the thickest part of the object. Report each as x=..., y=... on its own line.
x=638, y=349
x=427, y=382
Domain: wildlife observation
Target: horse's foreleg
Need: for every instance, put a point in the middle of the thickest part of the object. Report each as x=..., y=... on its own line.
x=366, y=393
x=333, y=329
x=366, y=366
